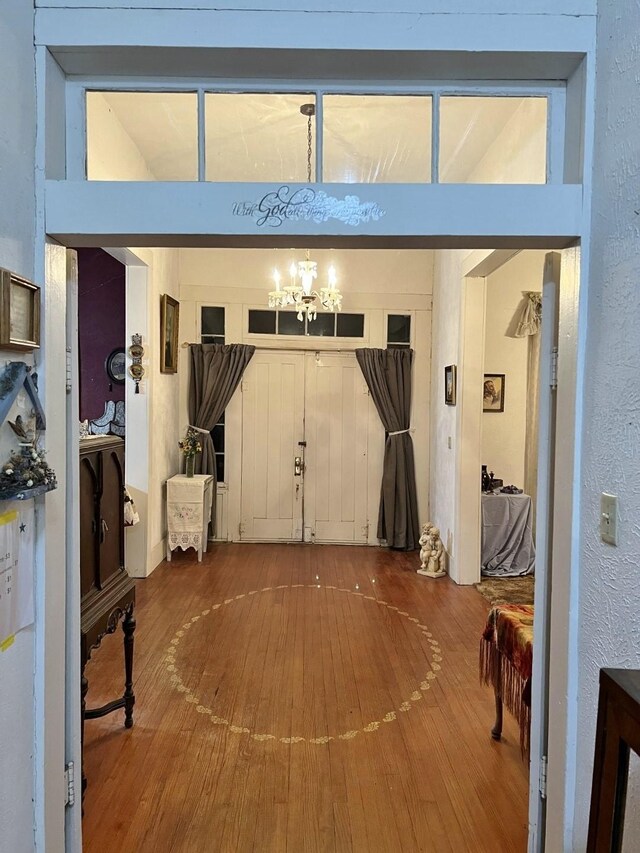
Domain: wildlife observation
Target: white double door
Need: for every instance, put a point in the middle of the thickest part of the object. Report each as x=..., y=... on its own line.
x=304, y=448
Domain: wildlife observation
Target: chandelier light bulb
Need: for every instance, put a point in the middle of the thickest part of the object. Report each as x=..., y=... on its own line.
x=276, y=278
x=332, y=277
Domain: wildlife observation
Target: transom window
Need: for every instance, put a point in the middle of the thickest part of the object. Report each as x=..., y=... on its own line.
x=398, y=331
x=326, y=324
x=441, y=135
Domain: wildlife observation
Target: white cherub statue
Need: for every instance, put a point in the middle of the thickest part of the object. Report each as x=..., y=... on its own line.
x=426, y=544
x=432, y=556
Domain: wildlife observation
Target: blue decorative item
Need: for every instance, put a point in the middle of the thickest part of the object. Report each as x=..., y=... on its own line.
x=26, y=474
x=18, y=375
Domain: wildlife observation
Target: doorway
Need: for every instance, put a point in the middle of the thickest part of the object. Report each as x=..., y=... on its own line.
x=304, y=449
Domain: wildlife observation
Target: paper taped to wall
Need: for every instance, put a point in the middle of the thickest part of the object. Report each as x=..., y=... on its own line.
x=16, y=573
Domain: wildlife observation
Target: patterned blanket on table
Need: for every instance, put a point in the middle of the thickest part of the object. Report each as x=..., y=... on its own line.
x=506, y=660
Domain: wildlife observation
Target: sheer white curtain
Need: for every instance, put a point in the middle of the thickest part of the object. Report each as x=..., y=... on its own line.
x=527, y=322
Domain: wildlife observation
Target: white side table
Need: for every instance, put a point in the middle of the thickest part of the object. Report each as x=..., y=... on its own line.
x=188, y=512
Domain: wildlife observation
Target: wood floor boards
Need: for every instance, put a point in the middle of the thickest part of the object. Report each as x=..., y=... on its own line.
x=395, y=753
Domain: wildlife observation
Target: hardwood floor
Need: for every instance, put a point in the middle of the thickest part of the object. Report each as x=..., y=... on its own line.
x=301, y=698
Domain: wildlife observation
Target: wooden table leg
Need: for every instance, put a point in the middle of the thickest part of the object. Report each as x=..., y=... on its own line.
x=496, y=731
x=128, y=627
x=84, y=687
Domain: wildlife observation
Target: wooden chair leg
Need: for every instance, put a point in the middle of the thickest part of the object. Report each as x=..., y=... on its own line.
x=496, y=731
x=128, y=627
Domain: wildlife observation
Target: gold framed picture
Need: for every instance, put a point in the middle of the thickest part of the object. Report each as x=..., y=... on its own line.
x=169, y=317
x=493, y=392
x=19, y=312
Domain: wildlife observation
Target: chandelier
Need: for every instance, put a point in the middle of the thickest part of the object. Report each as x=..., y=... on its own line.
x=303, y=274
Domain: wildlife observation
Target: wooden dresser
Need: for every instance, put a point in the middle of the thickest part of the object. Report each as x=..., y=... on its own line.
x=107, y=593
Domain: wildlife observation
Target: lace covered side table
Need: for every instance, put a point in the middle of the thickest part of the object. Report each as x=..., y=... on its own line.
x=188, y=512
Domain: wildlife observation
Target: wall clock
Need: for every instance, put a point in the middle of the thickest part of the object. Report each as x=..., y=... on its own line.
x=115, y=366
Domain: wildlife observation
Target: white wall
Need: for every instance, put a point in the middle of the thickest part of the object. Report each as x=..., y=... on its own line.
x=17, y=235
x=373, y=281
x=155, y=410
x=504, y=433
x=609, y=632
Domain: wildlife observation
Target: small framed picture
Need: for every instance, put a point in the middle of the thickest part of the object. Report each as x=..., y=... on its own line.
x=450, y=385
x=169, y=316
x=493, y=392
x=19, y=312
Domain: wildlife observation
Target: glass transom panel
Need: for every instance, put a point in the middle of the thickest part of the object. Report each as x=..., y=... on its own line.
x=493, y=140
x=376, y=139
x=258, y=137
x=142, y=136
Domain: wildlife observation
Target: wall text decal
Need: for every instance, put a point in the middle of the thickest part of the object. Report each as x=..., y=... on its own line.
x=285, y=204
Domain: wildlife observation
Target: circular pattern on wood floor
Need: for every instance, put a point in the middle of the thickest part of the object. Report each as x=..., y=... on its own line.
x=391, y=715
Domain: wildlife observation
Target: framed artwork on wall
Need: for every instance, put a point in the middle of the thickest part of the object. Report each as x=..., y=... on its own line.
x=115, y=365
x=19, y=312
x=493, y=392
x=450, y=380
x=169, y=315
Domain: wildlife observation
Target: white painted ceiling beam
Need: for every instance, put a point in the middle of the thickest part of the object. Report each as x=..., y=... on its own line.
x=564, y=7
x=201, y=214
x=390, y=31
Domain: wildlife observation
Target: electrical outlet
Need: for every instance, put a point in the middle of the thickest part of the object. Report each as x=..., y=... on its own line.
x=609, y=518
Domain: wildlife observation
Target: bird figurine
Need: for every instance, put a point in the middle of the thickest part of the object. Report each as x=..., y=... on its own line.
x=24, y=431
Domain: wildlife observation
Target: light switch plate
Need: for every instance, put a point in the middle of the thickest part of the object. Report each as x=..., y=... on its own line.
x=609, y=518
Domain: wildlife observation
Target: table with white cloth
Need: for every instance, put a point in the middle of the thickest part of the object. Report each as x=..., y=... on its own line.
x=507, y=535
x=188, y=512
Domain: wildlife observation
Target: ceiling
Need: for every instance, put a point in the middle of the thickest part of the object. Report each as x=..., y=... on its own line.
x=263, y=137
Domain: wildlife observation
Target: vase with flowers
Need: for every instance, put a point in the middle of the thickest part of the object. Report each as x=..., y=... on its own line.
x=190, y=445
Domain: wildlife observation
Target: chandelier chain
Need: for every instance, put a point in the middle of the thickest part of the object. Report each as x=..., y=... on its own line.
x=300, y=293
x=309, y=149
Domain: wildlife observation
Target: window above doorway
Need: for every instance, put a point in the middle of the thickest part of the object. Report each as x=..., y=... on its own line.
x=326, y=324
x=437, y=134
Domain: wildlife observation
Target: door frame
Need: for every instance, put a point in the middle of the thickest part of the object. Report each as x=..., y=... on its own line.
x=551, y=730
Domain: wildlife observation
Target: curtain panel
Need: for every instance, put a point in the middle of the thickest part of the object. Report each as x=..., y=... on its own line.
x=527, y=322
x=216, y=371
x=388, y=377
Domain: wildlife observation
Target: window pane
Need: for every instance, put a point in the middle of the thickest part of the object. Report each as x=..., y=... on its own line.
x=220, y=467
x=212, y=320
x=257, y=137
x=211, y=339
x=350, y=326
x=288, y=323
x=217, y=434
x=398, y=329
x=376, y=139
x=493, y=140
x=323, y=326
x=262, y=322
x=142, y=136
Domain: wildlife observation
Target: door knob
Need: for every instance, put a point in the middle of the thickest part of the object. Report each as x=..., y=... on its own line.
x=298, y=466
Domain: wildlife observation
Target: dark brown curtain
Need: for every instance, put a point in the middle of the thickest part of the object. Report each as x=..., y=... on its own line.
x=216, y=371
x=388, y=376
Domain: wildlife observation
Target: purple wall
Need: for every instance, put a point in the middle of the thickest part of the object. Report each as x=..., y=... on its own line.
x=101, y=323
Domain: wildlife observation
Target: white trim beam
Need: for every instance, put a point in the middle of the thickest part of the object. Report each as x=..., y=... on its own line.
x=336, y=31
x=201, y=214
